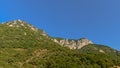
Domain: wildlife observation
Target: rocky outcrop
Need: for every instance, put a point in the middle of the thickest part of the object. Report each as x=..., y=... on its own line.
x=24, y=25
x=20, y=23
x=73, y=44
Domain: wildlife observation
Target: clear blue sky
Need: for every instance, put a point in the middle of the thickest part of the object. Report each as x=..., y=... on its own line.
x=97, y=20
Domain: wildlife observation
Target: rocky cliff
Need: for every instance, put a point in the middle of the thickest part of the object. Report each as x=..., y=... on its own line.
x=73, y=44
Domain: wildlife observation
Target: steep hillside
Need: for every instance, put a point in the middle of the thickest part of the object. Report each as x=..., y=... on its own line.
x=25, y=46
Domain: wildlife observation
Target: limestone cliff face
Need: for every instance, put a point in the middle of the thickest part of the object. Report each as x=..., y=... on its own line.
x=74, y=44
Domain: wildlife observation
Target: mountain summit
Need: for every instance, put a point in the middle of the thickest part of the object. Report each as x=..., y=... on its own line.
x=72, y=44
x=25, y=46
x=20, y=23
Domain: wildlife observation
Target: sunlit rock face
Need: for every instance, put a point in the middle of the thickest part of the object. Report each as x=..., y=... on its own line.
x=21, y=24
x=73, y=44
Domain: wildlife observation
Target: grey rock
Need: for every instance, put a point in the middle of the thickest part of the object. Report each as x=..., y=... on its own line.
x=73, y=44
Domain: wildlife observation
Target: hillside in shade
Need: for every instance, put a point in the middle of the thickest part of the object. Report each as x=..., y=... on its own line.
x=25, y=46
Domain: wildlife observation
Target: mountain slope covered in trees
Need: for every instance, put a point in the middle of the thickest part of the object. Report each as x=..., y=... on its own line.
x=25, y=46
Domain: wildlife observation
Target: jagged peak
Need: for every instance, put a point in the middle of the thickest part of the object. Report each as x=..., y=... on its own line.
x=16, y=22
x=24, y=25
x=20, y=23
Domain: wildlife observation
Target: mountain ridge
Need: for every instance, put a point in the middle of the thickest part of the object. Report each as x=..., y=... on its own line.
x=23, y=47
x=70, y=43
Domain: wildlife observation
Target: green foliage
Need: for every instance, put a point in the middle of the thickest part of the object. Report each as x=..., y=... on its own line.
x=22, y=47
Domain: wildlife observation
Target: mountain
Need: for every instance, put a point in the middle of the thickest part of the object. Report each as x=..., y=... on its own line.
x=25, y=46
x=73, y=44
